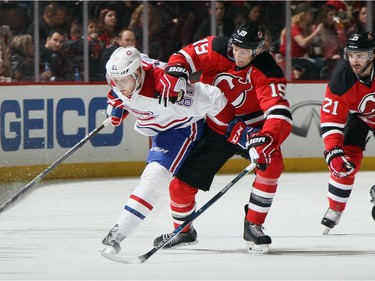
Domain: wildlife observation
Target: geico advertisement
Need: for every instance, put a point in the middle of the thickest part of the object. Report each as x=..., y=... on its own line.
x=40, y=123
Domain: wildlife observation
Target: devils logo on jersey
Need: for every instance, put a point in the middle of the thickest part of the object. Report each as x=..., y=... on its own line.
x=234, y=87
x=367, y=106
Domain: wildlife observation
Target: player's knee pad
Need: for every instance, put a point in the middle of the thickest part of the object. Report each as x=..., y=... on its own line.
x=181, y=193
x=155, y=180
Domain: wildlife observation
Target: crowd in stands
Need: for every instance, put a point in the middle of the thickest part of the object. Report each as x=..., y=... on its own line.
x=318, y=35
x=319, y=30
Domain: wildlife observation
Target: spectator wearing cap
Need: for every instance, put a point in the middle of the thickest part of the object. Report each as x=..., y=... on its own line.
x=346, y=10
x=301, y=31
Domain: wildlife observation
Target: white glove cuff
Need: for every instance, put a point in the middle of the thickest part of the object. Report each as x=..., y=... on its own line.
x=253, y=154
x=109, y=110
x=180, y=86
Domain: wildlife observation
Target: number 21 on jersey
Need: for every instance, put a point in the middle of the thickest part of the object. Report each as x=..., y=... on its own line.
x=330, y=106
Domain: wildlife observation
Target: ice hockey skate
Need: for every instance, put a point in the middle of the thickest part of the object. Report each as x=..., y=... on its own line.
x=181, y=239
x=256, y=240
x=111, y=243
x=372, y=200
x=330, y=219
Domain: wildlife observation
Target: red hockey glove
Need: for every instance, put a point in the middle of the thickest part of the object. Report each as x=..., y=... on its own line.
x=340, y=164
x=261, y=147
x=172, y=85
x=115, y=109
x=239, y=133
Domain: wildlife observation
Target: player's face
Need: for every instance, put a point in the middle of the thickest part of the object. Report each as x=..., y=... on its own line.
x=126, y=85
x=241, y=56
x=359, y=62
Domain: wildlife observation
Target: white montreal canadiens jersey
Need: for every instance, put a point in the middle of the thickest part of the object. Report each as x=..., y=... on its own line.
x=152, y=118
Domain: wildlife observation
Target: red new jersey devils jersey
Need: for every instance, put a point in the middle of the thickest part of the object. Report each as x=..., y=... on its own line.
x=257, y=91
x=346, y=94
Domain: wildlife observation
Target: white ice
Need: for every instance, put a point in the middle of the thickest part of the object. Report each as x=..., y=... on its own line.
x=53, y=233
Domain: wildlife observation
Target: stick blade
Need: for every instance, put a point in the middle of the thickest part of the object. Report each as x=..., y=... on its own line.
x=121, y=259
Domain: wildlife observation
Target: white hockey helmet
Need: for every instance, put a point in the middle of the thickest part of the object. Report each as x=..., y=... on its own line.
x=122, y=70
x=123, y=62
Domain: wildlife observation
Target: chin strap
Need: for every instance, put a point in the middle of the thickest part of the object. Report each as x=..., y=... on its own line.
x=367, y=79
x=139, y=83
x=257, y=51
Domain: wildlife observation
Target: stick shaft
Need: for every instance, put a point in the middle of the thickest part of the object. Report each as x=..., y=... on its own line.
x=43, y=174
x=197, y=213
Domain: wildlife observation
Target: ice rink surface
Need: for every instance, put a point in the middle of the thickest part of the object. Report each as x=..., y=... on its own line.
x=53, y=233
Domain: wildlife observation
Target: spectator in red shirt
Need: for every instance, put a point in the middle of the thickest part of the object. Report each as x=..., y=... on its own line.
x=301, y=31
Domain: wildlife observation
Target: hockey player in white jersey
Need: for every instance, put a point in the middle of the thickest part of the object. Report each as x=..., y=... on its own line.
x=174, y=129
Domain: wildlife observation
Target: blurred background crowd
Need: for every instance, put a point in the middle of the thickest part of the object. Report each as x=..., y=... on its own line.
x=72, y=40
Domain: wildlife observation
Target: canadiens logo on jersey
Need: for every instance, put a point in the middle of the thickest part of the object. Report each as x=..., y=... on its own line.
x=234, y=87
x=367, y=106
x=142, y=115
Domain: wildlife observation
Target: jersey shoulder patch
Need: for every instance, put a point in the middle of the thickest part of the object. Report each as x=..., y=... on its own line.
x=220, y=45
x=343, y=78
x=266, y=64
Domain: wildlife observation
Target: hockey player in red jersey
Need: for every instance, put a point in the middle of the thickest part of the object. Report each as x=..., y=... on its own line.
x=347, y=117
x=372, y=200
x=173, y=130
x=255, y=85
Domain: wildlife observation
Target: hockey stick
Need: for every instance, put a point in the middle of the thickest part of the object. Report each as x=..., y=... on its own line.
x=196, y=214
x=43, y=174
